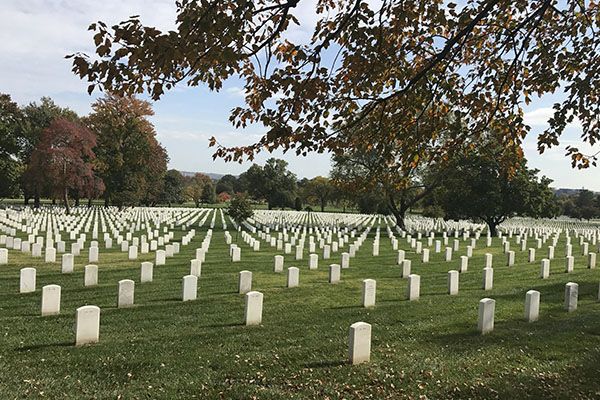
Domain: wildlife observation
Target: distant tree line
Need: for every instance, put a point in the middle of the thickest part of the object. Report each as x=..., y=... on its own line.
x=48, y=151
x=583, y=204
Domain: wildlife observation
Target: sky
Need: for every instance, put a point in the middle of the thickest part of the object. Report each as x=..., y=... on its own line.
x=35, y=35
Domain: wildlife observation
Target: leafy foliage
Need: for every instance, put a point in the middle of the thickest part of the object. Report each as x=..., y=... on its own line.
x=198, y=188
x=478, y=186
x=173, y=188
x=63, y=159
x=130, y=160
x=11, y=119
x=240, y=209
x=584, y=205
x=409, y=64
x=273, y=182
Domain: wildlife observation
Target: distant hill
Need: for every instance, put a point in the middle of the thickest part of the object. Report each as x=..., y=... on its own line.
x=214, y=177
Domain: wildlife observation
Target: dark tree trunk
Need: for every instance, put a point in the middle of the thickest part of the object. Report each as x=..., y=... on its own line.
x=36, y=200
x=399, y=212
x=89, y=202
x=322, y=205
x=26, y=200
x=106, y=201
x=492, y=223
x=77, y=201
x=54, y=201
x=66, y=201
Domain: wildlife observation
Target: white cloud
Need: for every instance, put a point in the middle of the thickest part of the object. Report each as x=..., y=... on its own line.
x=539, y=118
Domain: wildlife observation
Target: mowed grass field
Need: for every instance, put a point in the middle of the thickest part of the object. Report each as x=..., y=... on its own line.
x=166, y=349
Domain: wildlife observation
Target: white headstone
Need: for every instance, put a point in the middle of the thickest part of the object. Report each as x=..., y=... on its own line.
x=345, y=260
x=160, y=257
x=401, y=256
x=448, y=254
x=27, y=280
x=253, y=309
x=189, y=287
x=453, y=282
x=485, y=323
x=464, y=264
x=244, y=282
x=90, y=275
x=406, y=267
x=50, y=300
x=532, y=305
x=369, y=289
x=278, y=264
x=67, y=263
x=591, y=260
x=569, y=264
x=413, y=290
x=93, y=255
x=50, y=256
x=133, y=253
x=87, y=325
x=313, y=261
x=293, y=277
x=545, y=269
x=359, y=343
x=334, y=273
x=126, y=293
x=147, y=272
x=571, y=294
x=488, y=278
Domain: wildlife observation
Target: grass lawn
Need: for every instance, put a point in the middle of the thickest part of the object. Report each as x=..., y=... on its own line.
x=165, y=349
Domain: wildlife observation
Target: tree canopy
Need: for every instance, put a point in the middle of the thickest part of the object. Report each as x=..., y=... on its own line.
x=63, y=159
x=273, y=183
x=478, y=186
x=410, y=65
x=131, y=162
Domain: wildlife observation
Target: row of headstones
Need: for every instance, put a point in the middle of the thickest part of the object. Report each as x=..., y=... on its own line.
x=87, y=318
x=51, y=294
x=359, y=341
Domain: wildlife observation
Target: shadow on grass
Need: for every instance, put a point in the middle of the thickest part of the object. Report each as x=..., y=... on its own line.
x=45, y=346
x=326, y=364
x=225, y=325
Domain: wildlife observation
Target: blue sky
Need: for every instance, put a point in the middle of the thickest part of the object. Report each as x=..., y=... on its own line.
x=35, y=35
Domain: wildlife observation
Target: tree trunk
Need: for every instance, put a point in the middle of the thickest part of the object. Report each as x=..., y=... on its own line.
x=26, y=200
x=77, y=201
x=399, y=212
x=66, y=201
x=322, y=205
x=36, y=200
x=106, y=200
x=54, y=201
x=492, y=227
x=89, y=202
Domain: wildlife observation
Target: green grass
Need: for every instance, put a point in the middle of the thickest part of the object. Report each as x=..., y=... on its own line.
x=165, y=349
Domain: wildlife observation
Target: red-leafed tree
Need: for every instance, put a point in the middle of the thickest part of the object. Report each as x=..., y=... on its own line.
x=63, y=158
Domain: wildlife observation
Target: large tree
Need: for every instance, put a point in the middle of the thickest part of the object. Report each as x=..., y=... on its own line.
x=173, y=188
x=478, y=186
x=321, y=190
x=131, y=161
x=480, y=61
x=196, y=188
x=63, y=159
x=273, y=183
x=36, y=118
x=11, y=121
